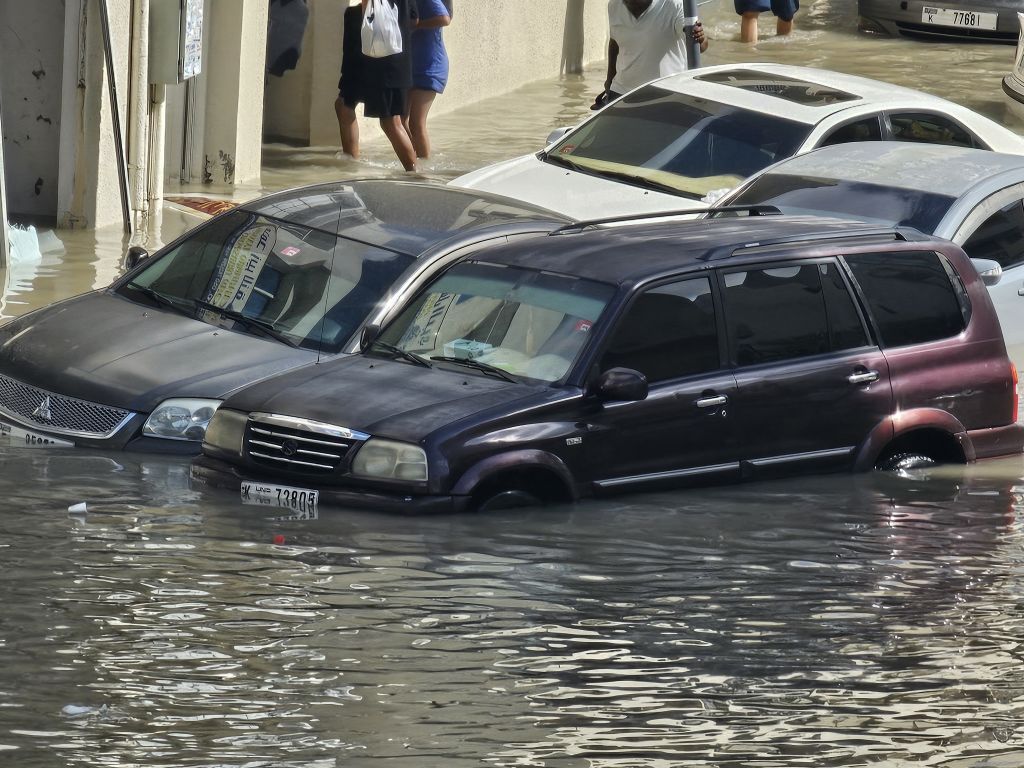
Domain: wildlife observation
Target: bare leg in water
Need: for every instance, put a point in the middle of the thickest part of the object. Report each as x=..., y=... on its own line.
x=348, y=125
x=400, y=141
x=420, y=102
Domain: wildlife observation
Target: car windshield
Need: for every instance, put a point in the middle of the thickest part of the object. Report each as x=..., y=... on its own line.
x=272, y=278
x=679, y=143
x=517, y=321
x=855, y=199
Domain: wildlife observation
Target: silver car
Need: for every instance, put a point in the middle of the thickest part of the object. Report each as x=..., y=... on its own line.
x=974, y=198
x=991, y=21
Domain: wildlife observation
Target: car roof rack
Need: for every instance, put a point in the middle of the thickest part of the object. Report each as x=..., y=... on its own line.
x=753, y=210
x=859, y=236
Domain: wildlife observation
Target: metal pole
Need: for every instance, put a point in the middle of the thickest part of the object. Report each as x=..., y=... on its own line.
x=572, y=38
x=115, y=116
x=5, y=246
x=693, y=50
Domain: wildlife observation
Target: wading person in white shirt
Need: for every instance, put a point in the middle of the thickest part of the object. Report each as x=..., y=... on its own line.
x=648, y=41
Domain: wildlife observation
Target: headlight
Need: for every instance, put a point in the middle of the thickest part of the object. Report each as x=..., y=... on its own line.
x=180, y=418
x=391, y=460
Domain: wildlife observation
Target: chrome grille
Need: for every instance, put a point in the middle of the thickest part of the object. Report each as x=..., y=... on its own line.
x=57, y=413
x=298, y=445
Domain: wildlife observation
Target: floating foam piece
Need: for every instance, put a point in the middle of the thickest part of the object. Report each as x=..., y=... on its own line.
x=78, y=509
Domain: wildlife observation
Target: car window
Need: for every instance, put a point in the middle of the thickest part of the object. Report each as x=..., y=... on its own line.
x=776, y=314
x=689, y=144
x=309, y=286
x=926, y=128
x=524, y=322
x=845, y=326
x=799, y=193
x=868, y=129
x=910, y=296
x=1000, y=237
x=667, y=333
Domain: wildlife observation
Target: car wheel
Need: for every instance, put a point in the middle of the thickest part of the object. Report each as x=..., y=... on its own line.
x=509, y=498
x=901, y=462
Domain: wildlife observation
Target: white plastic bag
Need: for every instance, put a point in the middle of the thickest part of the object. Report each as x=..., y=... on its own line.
x=381, y=32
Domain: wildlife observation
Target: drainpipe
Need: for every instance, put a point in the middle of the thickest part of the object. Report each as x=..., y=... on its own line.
x=573, y=38
x=693, y=50
x=138, y=107
x=5, y=246
x=157, y=140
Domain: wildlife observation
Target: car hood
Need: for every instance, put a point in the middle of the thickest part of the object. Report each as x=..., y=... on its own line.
x=572, y=193
x=381, y=397
x=104, y=348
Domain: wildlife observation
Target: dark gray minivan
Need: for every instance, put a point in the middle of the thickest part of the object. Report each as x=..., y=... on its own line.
x=277, y=283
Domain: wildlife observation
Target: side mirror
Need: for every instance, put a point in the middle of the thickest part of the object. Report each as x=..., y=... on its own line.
x=135, y=256
x=368, y=335
x=622, y=384
x=556, y=134
x=990, y=271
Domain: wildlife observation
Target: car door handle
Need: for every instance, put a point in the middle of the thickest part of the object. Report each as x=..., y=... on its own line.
x=865, y=377
x=712, y=402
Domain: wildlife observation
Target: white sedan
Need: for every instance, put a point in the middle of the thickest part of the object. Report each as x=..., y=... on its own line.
x=680, y=142
x=973, y=198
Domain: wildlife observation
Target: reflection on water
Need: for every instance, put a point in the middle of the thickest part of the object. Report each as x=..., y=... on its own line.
x=825, y=621
x=841, y=621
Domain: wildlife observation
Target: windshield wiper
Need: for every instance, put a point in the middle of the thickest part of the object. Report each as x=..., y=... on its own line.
x=412, y=357
x=264, y=327
x=563, y=161
x=643, y=181
x=157, y=297
x=470, y=363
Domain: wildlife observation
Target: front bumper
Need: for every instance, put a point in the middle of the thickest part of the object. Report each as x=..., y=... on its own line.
x=907, y=20
x=221, y=474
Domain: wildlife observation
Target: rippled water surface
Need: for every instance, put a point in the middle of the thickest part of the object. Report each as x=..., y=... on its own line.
x=864, y=620
x=835, y=621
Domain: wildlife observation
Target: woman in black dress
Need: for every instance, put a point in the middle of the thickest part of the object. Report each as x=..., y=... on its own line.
x=381, y=85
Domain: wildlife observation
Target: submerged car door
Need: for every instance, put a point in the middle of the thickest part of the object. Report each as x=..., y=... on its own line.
x=811, y=385
x=683, y=429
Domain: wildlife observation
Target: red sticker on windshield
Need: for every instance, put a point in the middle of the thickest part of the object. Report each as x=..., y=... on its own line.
x=290, y=250
x=583, y=325
x=567, y=149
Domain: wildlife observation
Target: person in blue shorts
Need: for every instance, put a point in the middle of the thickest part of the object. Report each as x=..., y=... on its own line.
x=429, y=68
x=749, y=10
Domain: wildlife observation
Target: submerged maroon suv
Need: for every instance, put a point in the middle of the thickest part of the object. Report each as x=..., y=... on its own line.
x=600, y=359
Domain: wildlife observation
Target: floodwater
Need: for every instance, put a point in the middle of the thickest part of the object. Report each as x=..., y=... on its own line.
x=828, y=621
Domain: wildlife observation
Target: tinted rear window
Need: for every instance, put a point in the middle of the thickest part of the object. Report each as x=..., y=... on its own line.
x=809, y=194
x=910, y=296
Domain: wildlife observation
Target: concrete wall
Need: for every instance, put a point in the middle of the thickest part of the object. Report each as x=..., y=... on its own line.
x=89, y=193
x=31, y=59
x=234, y=89
x=495, y=46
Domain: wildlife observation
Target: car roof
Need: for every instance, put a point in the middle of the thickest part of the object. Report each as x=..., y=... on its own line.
x=934, y=168
x=405, y=216
x=755, y=89
x=648, y=249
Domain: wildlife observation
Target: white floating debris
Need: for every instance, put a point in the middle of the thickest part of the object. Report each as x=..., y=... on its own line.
x=78, y=509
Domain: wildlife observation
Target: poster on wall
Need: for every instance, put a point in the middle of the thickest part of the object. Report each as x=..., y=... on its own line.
x=192, y=39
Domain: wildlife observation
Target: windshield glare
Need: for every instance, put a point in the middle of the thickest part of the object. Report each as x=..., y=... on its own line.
x=313, y=287
x=792, y=193
x=687, y=143
x=526, y=323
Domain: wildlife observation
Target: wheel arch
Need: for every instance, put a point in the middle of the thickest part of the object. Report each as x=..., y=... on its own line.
x=930, y=431
x=555, y=480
